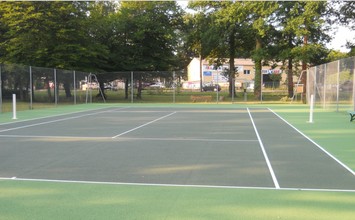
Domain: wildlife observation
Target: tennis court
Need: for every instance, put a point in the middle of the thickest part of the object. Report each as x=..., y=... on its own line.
x=179, y=146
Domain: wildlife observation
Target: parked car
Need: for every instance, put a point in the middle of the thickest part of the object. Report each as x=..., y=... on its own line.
x=211, y=87
x=157, y=85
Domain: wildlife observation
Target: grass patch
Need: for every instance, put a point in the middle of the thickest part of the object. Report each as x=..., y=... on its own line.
x=38, y=200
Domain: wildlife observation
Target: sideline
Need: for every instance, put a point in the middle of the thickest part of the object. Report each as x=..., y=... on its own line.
x=276, y=183
x=320, y=147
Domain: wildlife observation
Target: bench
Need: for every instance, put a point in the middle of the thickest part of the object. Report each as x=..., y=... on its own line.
x=352, y=115
x=205, y=98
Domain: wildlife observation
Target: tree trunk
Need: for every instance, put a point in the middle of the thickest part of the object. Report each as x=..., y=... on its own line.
x=258, y=66
x=304, y=72
x=66, y=86
x=139, y=89
x=231, y=76
x=201, y=73
x=126, y=88
x=290, y=78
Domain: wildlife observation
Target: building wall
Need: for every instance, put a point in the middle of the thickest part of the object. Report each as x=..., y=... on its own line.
x=246, y=72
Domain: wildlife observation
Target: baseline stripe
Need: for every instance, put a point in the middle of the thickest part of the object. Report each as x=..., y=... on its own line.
x=172, y=185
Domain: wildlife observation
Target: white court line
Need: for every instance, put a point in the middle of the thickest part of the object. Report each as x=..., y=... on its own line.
x=173, y=185
x=53, y=116
x=321, y=148
x=125, y=138
x=276, y=183
x=55, y=137
x=58, y=120
x=116, y=136
x=190, y=139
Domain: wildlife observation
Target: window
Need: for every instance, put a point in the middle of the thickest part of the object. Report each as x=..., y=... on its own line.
x=246, y=72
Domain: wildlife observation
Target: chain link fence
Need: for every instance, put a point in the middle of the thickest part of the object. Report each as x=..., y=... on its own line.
x=333, y=85
x=38, y=87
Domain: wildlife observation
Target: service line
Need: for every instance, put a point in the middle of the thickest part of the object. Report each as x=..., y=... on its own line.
x=58, y=120
x=133, y=129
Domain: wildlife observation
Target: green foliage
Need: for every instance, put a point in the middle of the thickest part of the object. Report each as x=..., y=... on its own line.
x=49, y=34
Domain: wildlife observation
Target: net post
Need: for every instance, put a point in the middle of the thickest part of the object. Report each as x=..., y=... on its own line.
x=311, y=109
x=14, y=106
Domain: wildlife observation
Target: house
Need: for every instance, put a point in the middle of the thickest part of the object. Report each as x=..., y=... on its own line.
x=244, y=76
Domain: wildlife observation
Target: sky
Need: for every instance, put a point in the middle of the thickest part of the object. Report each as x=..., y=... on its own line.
x=340, y=37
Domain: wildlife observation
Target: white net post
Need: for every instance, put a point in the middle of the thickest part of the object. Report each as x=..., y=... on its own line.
x=14, y=116
x=311, y=109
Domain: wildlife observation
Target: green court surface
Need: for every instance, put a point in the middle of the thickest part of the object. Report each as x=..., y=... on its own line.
x=177, y=162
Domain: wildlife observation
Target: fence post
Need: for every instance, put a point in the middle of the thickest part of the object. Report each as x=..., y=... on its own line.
x=0, y=88
x=217, y=92
x=55, y=88
x=74, y=84
x=338, y=75
x=174, y=86
x=354, y=85
x=31, y=89
x=132, y=86
x=324, y=85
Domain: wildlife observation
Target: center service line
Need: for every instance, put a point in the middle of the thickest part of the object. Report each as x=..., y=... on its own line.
x=143, y=125
x=276, y=183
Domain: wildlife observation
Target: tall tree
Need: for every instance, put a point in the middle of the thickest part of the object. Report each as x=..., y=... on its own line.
x=200, y=31
x=310, y=26
x=49, y=34
x=235, y=35
x=150, y=36
x=258, y=16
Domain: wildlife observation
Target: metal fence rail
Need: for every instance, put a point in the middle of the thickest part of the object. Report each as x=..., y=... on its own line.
x=37, y=87
x=333, y=85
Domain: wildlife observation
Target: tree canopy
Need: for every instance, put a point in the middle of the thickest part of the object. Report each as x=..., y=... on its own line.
x=158, y=35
